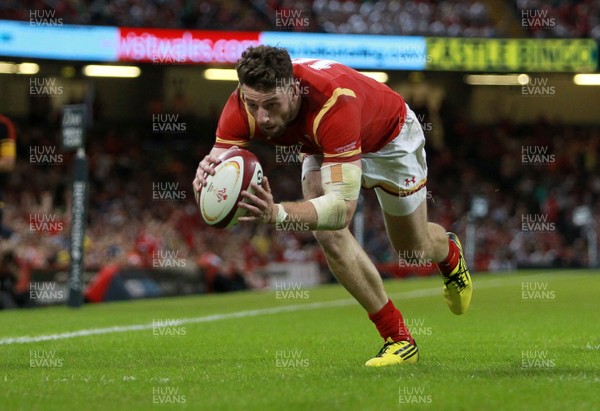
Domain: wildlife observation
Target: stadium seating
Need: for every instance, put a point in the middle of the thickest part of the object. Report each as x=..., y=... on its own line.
x=451, y=18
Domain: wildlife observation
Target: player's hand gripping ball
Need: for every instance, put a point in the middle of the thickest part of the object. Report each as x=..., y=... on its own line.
x=218, y=201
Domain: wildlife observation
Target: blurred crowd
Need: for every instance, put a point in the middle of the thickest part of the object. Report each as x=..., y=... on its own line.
x=560, y=18
x=537, y=203
x=453, y=18
x=421, y=17
x=143, y=214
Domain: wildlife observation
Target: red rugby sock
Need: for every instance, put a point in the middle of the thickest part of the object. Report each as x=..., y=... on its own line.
x=390, y=324
x=451, y=261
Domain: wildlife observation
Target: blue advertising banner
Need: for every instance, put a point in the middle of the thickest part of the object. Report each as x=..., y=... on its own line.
x=57, y=41
x=49, y=38
x=357, y=51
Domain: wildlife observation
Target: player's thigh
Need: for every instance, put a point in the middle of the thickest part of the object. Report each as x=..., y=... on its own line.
x=408, y=232
x=311, y=177
x=398, y=173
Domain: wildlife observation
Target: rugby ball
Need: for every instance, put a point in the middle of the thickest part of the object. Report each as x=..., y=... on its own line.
x=218, y=201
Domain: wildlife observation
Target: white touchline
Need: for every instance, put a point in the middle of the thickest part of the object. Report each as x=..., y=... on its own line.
x=218, y=317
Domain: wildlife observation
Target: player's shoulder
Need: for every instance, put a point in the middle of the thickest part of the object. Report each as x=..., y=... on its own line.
x=234, y=102
x=322, y=72
x=319, y=79
x=234, y=121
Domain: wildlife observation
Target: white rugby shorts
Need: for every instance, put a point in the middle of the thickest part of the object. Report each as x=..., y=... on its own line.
x=397, y=172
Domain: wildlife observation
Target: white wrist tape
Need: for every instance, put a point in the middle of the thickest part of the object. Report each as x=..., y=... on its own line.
x=281, y=214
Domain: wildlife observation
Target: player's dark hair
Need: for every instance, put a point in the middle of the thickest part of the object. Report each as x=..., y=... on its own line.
x=264, y=67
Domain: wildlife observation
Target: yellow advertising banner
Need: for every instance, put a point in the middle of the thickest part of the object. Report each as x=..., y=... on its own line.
x=528, y=55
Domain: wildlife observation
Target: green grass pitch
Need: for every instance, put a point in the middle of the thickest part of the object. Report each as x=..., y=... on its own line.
x=530, y=341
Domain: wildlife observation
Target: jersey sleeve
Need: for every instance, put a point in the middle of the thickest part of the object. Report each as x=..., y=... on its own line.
x=236, y=127
x=338, y=133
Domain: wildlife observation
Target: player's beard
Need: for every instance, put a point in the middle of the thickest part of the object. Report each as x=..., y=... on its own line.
x=279, y=128
x=274, y=132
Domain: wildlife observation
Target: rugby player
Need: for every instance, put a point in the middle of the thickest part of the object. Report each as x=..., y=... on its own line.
x=353, y=132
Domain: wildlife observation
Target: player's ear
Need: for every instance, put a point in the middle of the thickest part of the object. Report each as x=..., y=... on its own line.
x=296, y=88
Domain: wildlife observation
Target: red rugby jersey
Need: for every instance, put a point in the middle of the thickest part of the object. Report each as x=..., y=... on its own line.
x=343, y=114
